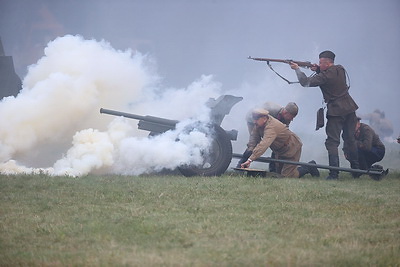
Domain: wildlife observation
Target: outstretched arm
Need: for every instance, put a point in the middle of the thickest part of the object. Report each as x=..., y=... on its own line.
x=313, y=81
x=303, y=79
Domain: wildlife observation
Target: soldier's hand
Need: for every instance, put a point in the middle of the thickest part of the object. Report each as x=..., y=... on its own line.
x=314, y=67
x=293, y=65
x=246, y=164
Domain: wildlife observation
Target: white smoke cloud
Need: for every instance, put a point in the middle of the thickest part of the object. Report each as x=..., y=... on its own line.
x=60, y=102
x=136, y=156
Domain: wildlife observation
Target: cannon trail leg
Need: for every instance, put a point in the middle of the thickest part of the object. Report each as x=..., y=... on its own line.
x=373, y=173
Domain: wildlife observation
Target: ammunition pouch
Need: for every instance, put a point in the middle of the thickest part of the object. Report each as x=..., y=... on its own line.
x=320, y=119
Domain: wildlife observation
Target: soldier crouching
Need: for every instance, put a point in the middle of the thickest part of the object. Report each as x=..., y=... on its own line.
x=271, y=133
x=369, y=146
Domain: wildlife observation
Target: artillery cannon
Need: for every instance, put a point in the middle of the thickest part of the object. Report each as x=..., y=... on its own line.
x=219, y=156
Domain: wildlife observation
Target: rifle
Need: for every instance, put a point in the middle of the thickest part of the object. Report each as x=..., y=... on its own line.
x=304, y=64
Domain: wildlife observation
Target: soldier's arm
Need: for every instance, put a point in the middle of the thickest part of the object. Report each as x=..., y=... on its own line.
x=253, y=139
x=313, y=81
x=264, y=144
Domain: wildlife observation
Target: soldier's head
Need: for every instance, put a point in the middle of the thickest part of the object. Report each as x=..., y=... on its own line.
x=326, y=59
x=260, y=116
x=290, y=111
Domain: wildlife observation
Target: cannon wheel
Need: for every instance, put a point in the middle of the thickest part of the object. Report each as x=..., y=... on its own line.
x=217, y=160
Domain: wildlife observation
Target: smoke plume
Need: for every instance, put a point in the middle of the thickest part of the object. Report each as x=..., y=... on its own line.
x=55, y=119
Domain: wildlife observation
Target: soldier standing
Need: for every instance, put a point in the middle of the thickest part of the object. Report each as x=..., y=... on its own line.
x=271, y=133
x=341, y=107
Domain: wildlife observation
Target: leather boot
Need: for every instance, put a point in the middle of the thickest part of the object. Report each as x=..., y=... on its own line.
x=354, y=164
x=313, y=170
x=303, y=170
x=333, y=162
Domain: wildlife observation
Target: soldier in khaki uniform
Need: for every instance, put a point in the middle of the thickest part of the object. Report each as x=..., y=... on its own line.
x=271, y=133
x=341, y=116
x=283, y=114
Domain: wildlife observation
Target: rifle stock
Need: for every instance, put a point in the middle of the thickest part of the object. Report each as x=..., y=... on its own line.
x=304, y=64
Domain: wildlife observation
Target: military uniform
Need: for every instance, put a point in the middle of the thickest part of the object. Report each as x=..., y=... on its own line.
x=370, y=147
x=274, y=110
x=340, y=112
x=283, y=142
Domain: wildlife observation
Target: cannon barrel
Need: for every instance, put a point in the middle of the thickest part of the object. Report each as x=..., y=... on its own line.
x=123, y=114
x=147, y=123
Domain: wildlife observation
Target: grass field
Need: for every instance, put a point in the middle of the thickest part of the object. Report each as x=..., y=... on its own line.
x=232, y=220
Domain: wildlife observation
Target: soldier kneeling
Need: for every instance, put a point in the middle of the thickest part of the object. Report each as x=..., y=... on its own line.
x=271, y=133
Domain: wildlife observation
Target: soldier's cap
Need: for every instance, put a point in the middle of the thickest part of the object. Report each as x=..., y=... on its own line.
x=258, y=113
x=327, y=54
x=292, y=108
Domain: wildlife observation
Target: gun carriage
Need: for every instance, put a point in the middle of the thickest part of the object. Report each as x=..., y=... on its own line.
x=217, y=159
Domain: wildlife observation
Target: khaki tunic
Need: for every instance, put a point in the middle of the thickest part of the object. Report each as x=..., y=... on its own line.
x=283, y=142
x=274, y=110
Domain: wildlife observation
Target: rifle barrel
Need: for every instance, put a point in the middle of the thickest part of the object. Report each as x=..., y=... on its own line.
x=269, y=59
x=300, y=63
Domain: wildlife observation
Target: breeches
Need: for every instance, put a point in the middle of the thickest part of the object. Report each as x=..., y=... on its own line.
x=334, y=127
x=369, y=157
x=293, y=154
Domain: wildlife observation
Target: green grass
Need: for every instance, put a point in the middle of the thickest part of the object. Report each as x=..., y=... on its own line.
x=233, y=220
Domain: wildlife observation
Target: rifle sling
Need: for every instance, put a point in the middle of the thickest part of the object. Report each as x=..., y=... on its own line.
x=289, y=82
x=348, y=78
x=283, y=78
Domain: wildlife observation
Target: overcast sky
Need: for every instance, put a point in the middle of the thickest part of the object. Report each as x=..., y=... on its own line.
x=187, y=39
